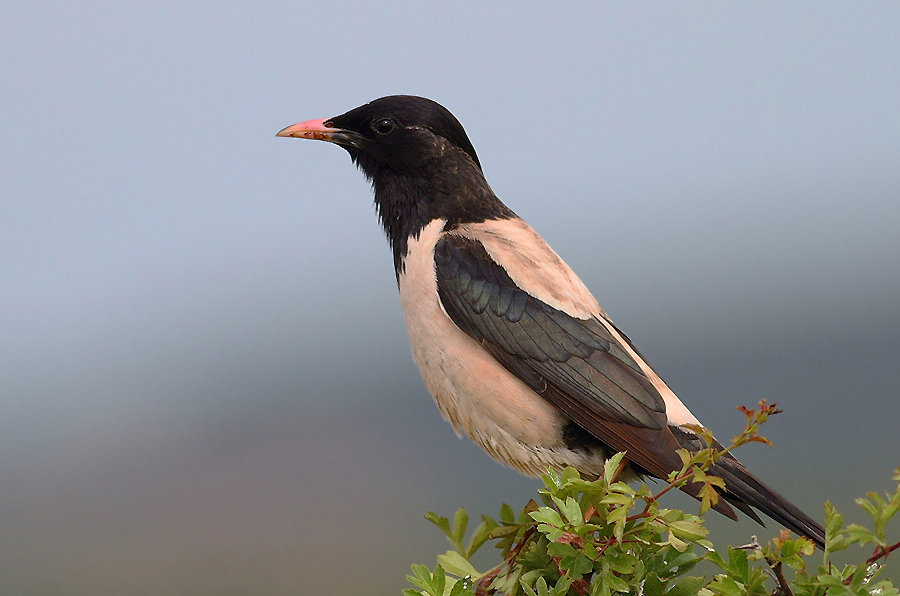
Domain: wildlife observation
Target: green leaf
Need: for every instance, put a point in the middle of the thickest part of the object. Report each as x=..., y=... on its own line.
x=682, y=562
x=677, y=543
x=562, y=586
x=717, y=560
x=541, y=587
x=438, y=581
x=857, y=533
x=727, y=586
x=709, y=497
x=616, y=583
x=876, y=498
x=459, y=586
x=572, y=512
x=454, y=563
x=617, y=499
x=527, y=510
x=534, y=584
x=581, y=565
x=481, y=535
x=686, y=586
x=421, y=572
x=551, y=480
x=833, y=519
x=835, y=540
x=891, y=509
x=653, y=586
x=421, y=578
x=568, y=476
x=460, y=521
x=715, y=481
x=830, y=581
x=867, y=506
x=505, y=530
x=611, y=465
x=441, y=522
x=560, y=549
x=625, y=563
x=857, y=579
x=738, y=565
x=546, y=515
x=617, y=516
x=688, y=530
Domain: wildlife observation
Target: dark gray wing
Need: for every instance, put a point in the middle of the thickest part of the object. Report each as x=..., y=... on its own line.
x=561, y=357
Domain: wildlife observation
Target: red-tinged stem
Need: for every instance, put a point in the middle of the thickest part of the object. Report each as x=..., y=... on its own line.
x=783, y=588
x=669, y=487
x=581, y=587
x=481, y=586
x=640, y=515
x=882, y=552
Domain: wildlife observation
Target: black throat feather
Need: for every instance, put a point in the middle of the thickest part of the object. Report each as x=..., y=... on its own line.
x=451, y=188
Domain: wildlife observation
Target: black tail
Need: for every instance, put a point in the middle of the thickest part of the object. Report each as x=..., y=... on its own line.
x=742, y=489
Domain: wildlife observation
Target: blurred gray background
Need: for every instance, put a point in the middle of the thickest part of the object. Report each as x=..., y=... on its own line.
x=205, y=382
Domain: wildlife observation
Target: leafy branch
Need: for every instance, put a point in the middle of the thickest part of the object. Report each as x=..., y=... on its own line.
x=601, y=537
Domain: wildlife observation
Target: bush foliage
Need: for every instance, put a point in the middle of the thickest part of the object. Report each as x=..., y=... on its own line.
x=603, y=537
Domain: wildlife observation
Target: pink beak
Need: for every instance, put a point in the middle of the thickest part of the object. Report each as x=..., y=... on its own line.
x=311, y=129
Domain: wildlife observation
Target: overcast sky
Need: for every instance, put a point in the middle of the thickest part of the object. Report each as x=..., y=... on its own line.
x=205, y=382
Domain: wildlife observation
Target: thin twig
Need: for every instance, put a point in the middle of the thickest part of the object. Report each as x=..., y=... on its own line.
x=881, y=552
x=782, y=588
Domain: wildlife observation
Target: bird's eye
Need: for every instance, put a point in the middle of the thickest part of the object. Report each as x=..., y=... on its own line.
x=383, y=126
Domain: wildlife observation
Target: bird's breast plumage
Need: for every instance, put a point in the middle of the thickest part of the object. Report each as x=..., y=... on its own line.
x=473, y=391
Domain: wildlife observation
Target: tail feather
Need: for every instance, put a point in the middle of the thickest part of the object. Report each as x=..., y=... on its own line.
x=745, y=508
x=742, y=486
x=743, y=490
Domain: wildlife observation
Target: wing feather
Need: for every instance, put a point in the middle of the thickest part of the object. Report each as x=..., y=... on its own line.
x=540, y=344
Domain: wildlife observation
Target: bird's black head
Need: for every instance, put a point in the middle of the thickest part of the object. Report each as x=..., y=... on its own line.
x=398, y=134
x=419, y=159
x=401, y=133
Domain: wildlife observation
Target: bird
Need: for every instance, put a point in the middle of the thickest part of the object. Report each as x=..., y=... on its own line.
x=515, y=350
